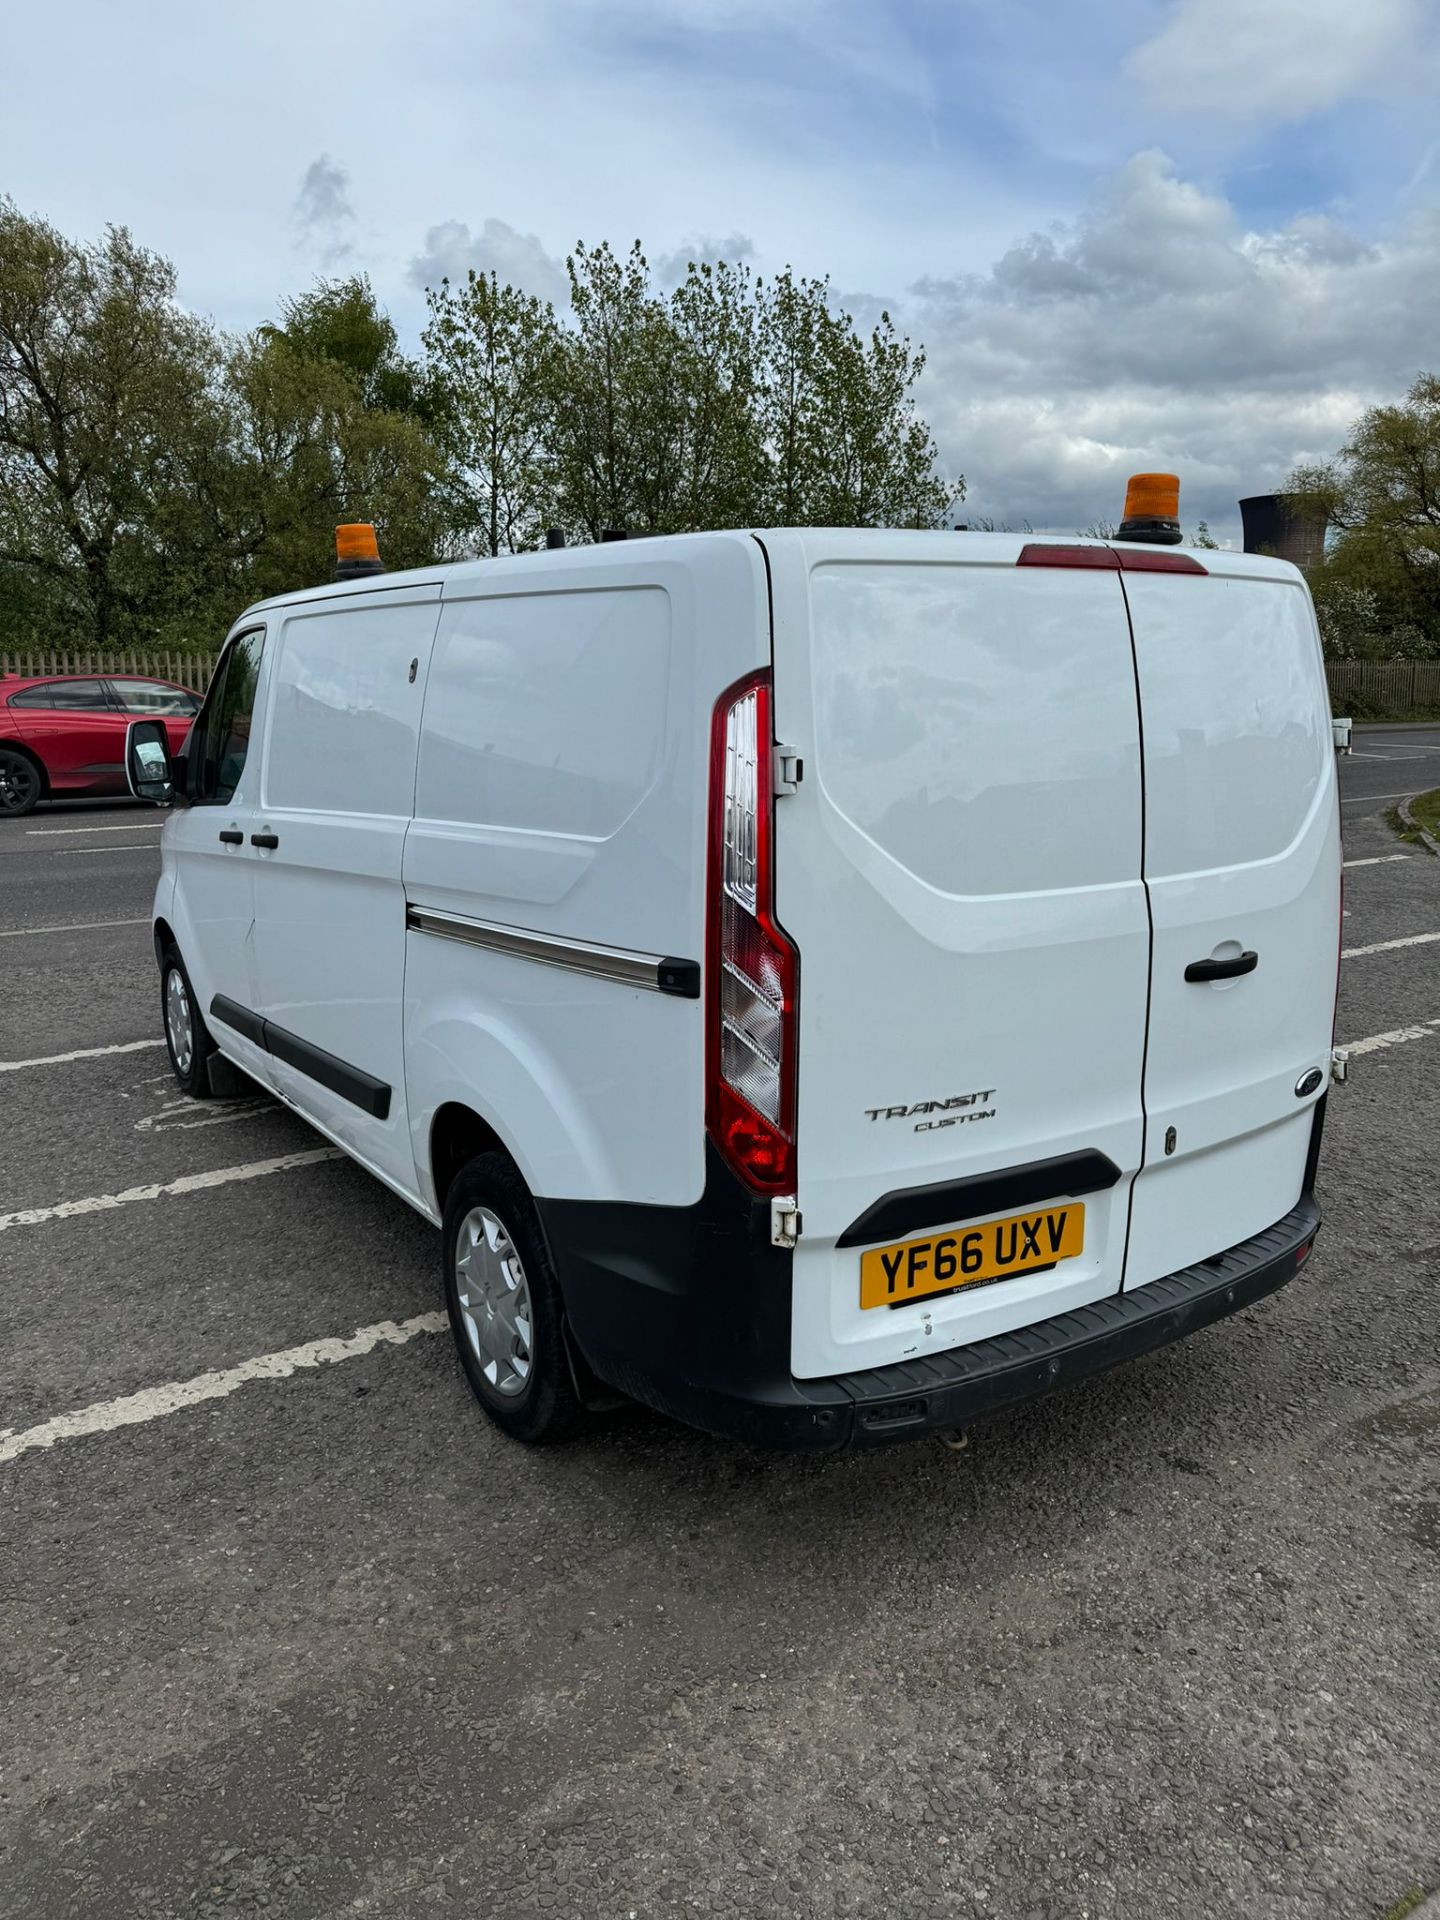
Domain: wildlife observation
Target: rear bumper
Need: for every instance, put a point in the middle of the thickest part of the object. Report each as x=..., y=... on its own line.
x=688, y=1310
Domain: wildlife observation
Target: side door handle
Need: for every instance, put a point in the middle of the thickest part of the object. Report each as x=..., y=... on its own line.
x=1223, y=969
x=265, y=840
x=232, y=837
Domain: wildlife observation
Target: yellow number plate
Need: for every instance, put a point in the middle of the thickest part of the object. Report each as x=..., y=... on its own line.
x=968, y=1256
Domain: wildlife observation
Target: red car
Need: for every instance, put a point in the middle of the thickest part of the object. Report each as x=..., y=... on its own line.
x=64, y=735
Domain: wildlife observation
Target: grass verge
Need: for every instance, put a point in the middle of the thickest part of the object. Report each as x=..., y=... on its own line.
x=1425, y=811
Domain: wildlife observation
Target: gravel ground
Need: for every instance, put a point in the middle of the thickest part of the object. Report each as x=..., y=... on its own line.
x=1163, y=1644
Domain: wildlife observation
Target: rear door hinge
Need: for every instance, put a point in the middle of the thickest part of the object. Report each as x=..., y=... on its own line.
x=784, y=1221
x=789, y=769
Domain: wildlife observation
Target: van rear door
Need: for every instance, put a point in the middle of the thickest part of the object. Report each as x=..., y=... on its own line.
x=960, y=869
x=1242, y=858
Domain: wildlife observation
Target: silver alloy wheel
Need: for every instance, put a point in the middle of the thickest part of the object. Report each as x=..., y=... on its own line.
x=178, y=1023
x=494, y=1300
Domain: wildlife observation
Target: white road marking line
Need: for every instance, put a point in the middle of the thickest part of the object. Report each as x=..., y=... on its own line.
x=138, y=846
x=1379, y=860
x=1363, y=799
x=153, y=1403
x=80, y=1053
x=140, y=826
x=73, y=926
x=187, y=1183
x=1389, y=946
x=1396, y=1037
x=185, y=1115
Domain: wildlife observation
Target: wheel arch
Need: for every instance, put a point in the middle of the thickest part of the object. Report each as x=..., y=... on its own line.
x=164, y=937
x=9, y=744
x=457, y=1134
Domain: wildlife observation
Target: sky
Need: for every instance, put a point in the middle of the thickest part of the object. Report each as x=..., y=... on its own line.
x=1199, y=235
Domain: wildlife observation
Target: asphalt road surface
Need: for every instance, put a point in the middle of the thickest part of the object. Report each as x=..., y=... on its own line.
x=325, y=1644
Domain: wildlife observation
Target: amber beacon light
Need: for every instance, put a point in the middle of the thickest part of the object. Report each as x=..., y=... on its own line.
x=357, y=551
x=1152, y=509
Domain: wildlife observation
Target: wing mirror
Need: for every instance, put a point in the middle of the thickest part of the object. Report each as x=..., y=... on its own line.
x=149, y=772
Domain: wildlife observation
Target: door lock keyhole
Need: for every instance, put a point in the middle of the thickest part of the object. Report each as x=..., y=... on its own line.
x=1170, y=1139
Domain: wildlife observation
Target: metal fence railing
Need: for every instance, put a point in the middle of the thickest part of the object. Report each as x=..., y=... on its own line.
x=1385, y=689
x=160, y=663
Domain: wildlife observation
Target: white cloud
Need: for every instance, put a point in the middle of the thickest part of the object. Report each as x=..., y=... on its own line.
x=451, y=250
x=1156, y=331
x=670, y=267
x=1275, y=61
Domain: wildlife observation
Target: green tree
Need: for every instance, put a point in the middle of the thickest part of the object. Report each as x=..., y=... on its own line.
x=342, y=322
x=845, y=444
x=1377, y=591
x=720, y=461
x=492, y=355
x=304, y=452
x=107, y=398
x=731, y=402
x=618, y=406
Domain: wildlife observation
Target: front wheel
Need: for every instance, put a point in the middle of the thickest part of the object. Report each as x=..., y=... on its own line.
x=21, y=783
x=504, y=1304
x=187, y=1038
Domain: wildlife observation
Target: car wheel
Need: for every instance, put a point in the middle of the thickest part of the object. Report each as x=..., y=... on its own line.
x=187, y=1038
x=504, y=1304
x=21, y=782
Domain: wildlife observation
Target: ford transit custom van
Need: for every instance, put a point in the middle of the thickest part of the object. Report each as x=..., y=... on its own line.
x=822, y=984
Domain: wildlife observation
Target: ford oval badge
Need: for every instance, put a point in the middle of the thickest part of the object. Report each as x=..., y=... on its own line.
x=1308, y=1082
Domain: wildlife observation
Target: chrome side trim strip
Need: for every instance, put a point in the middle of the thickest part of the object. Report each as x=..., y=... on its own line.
x=657, y=973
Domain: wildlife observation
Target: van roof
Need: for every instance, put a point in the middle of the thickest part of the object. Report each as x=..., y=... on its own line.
x=876, y=543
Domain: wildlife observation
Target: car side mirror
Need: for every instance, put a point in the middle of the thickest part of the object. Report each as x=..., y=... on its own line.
x=148, y=771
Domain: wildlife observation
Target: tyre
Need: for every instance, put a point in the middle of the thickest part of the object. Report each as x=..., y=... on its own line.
x=187, y=1038
x=21, y=783
x=504, y=1304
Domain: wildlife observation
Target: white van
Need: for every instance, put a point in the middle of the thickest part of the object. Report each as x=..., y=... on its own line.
x=824, y=985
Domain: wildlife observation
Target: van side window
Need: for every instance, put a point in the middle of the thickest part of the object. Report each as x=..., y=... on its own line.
x=225, y=721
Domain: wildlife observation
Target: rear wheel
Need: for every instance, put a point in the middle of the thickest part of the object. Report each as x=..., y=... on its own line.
x=21, y=782
x=187, y=1038
x=504, y=1304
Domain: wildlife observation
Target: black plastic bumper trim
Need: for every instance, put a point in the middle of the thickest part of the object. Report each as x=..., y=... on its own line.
x=910, y=1209
x=688, y=1309
x=361, y=1089
x=959, y=1386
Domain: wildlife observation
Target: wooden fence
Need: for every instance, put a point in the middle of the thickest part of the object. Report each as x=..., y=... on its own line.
x=160, y=663
x=1385, y=689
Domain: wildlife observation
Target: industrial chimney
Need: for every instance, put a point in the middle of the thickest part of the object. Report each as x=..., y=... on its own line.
x=1284, y=525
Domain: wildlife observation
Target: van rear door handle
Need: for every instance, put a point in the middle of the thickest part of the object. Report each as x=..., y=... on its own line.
x=273, y=840
x=1223, y=969
x=232, y=837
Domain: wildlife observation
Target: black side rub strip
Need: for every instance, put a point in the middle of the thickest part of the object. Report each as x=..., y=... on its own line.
x=239, y=1019
x=909, y=1209
x=361, y=1089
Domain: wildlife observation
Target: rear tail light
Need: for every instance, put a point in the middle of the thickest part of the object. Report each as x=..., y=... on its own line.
x=752, y=971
